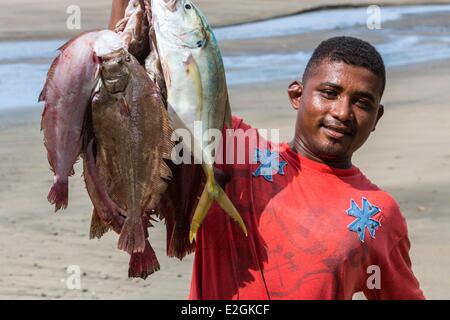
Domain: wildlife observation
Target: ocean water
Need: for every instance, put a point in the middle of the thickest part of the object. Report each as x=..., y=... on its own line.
x=396, y=52
x=320, y=21
x=24, y=64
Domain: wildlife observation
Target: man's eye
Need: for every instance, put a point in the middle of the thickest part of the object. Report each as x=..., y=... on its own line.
x=364, y=104
x=329, y=93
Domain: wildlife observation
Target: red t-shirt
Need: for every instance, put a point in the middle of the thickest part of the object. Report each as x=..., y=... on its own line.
x=299, y=245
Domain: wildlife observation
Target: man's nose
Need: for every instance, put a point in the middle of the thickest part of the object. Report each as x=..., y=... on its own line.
x=342, y=109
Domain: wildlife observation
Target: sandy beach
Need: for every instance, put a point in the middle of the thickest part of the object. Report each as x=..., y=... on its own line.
x=28, y=19
x=408, y=155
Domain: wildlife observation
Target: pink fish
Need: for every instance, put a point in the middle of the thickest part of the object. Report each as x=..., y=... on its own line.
x=67, y=93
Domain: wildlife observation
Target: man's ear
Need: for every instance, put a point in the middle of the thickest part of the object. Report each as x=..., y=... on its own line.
x=379, y=115
x=295, y=91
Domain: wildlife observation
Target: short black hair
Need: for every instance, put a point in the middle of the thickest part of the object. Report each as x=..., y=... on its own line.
x=350, y=50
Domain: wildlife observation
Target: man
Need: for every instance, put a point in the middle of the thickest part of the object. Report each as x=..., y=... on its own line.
x=317, y=227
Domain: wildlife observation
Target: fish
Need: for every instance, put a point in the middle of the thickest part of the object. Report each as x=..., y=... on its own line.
x=108, y=215
x=134, y=30
x=177, y=207
x=178, y=203
x=67, y=91
x=196, y=91
x=153, y=61
x=133, y=139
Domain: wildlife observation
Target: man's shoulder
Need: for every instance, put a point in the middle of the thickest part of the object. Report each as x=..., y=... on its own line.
x=242, y=146
x=390, y=214
x=255, y=137
x=383, y=197
x=239, y=123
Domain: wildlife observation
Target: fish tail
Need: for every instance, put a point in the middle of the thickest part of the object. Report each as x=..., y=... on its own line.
x=213, y=192
x=226, y=204
x=143, y=264
x=59, y=193
x=132, y=237
x=200, y=213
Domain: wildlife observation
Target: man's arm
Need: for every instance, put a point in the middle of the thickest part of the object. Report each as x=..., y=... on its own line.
x=117, y=12
x=398, y=281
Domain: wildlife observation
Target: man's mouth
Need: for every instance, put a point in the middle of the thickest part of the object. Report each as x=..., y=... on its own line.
x=337, y=132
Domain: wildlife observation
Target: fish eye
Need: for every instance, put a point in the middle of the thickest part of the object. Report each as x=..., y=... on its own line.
x=187, y=6
x=127, y=58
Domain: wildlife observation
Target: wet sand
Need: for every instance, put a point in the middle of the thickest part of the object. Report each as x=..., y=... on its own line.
x=408, y=155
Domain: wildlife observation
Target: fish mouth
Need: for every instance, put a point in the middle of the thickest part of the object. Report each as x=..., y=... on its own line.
x=115, y=85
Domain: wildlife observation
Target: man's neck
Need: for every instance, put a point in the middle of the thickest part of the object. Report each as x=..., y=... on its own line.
x=299, y=147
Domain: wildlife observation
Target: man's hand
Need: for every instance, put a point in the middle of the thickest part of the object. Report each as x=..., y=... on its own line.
x=117, y=12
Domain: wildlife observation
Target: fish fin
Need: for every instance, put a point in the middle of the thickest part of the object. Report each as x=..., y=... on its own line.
x=50, y=159
x=203, y=206
x=193, y=72
x=42, y=97
x=165, y=172
x=59, y=193
x=177, y=207
x=109, y=213
x=227, y=119
x=158, y=189
x=50, y=75
x=213, y=192
x=167, y=143
x=142, y=264
x=226, y=204
x=132, y=237
x=165, y=150
x=98, y=228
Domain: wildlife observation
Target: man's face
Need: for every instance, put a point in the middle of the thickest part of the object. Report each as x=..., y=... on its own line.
x=338, y=107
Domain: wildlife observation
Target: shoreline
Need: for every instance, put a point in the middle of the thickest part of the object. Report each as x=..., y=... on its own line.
x=250, y=86
x=333, y=7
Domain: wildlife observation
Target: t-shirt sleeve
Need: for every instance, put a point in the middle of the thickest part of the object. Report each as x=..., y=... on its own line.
x=238, y=144
x=397, y=280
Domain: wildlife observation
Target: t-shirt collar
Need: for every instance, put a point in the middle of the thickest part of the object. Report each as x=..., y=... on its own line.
x=286, y=150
